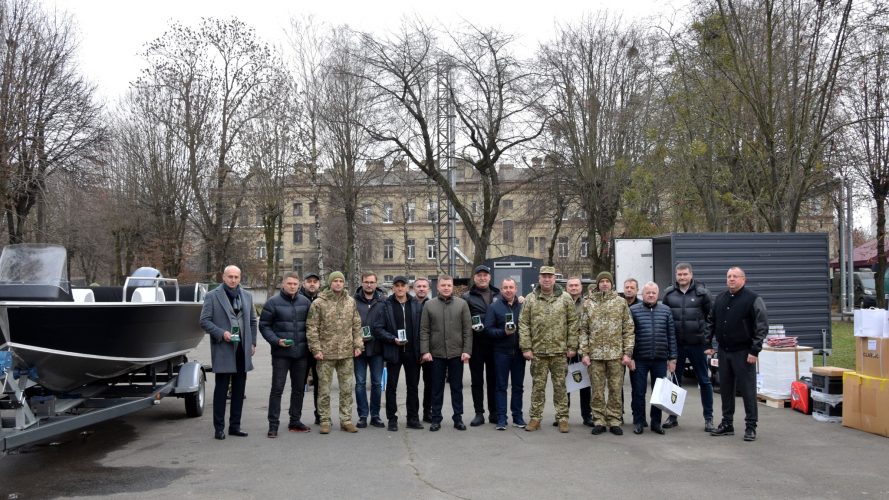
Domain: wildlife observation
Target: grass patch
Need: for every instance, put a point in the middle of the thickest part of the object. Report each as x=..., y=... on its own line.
x=843, y=347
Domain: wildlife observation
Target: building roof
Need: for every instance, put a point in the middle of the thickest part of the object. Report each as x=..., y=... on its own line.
x=864, y=255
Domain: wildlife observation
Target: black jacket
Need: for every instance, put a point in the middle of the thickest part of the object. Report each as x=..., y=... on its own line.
x=302, y=291
x=477, y=307
x=370, y=313
x=385, y=330
x=655, y=333
x=284, y=317
x=739, y=321
x=690, y=312
x=495, y=324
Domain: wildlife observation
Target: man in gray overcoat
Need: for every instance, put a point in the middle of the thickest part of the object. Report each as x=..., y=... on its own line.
x=229, y=318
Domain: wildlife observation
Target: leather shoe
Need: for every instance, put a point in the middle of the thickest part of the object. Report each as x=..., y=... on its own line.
x=637, y=429
x=435, y=426
x=393, y=425
x=414, y=424
x=478, y=420
x=236, y=432
x=588, y=422
x=657, y=429
x=377, y=422
x=708, y=425
x=724, y=429
x=220, y=435
x=750, y=434
x=460, y=426
x=298, y=427
x=273, y=432
x=362, y=423
x=599, y=429
x=671, y=422
x=616, y=430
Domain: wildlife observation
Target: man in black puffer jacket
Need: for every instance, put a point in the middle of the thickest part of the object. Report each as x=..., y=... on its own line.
x=283, y=325
x=481, y=364
x=654, y=353
x=691, y=302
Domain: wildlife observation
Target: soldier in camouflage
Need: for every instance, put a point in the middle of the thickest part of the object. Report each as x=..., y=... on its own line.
x=606, y=344
x=548, y=337
x=333, y=331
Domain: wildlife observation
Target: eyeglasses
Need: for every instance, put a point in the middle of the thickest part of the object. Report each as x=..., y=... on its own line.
x=369, y=282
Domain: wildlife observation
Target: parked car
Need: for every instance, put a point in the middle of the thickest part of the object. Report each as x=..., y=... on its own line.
x=865, y=287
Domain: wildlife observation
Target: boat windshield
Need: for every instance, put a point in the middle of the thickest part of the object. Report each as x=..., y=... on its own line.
x=34, y=264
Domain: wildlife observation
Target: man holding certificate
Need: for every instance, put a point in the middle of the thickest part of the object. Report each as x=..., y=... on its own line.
x=502, y=319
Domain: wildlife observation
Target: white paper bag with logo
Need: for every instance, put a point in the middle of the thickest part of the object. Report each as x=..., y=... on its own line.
x=578, y=377
x=668, y=396
x=872, y=322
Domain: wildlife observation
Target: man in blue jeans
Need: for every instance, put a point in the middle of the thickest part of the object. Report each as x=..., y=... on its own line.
x=653, y=354
x=501, y=324
x=369, y=302
x=690, y=302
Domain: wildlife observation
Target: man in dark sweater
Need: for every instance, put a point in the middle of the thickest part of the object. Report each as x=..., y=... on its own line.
x=481, y=365
x=401, y=315
x=369, y=300
x=740, y=323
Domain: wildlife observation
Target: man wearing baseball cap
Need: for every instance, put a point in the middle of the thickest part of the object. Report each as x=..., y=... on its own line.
x=309, y=289
x=481, y=364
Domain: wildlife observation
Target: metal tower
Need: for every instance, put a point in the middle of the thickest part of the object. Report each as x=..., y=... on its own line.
x=445, y=224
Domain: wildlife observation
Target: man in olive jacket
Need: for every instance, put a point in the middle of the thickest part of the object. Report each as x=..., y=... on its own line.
x=548, y=337
x=283, y=319
x=333, y=330
x=446, y=342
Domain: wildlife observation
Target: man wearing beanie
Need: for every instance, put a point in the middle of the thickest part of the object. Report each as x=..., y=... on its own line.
x=333, y=331
x=606, y=344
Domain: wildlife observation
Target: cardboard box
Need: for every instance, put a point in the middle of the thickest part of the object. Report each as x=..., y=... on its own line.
x=866, y=403
x=829, y=371
x=872, y=356
x=779, y=367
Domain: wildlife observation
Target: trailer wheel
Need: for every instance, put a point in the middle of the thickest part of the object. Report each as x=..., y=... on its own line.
x=194, y=403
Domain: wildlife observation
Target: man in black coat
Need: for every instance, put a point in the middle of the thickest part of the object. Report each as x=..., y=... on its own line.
x=691, y=302
x=740, y=323
x=421, y=291
x=654, y=353
x=481, y=364
x=369, y=301
x=309, y=290
x=401, y=314
x=283, y=325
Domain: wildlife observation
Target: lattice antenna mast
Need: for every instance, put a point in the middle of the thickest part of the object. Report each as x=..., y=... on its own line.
x=446, y=220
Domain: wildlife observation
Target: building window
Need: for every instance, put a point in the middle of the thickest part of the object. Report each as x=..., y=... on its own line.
x=474, y=208
x=431, y=211
x=585, y=276
x=565, y=211
x=530, y=244
x=313, y=238
x=387, y=278
x=297, y=234
x=387, y=249
x=815, y=207
x=366, y=213
x=298, y=266
x=258, y=216
x=297, y=209
x=260, y=249
x=563, y=246
x=430, y=248
x=430, y=277
x=313, y=209
x=542, y=242
x=506, y=204
x=387, y=212
x=279, y=251
x=585, y=246
x=507, y=231
x=243, y=218
x=410, y=212
x=411, y=249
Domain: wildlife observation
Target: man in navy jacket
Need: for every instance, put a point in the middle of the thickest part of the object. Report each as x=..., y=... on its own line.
x=508, y=359
x=654, y=353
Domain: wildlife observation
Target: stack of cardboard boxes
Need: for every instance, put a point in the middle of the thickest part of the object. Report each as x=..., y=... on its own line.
x=866, y=390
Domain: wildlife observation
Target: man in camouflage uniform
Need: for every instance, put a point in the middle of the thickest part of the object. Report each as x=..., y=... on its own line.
x=333, y=331
x=548, y=337
x=606, y=344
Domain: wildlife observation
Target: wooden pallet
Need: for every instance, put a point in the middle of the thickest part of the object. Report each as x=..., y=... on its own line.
x=773, y=403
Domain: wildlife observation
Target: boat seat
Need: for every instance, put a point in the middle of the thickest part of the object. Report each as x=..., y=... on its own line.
x=148, y=294
x=83, y=295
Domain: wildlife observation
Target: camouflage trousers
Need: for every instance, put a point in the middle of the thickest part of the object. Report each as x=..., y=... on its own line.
x=344, y=371
x=610, y=372
x=557, y=367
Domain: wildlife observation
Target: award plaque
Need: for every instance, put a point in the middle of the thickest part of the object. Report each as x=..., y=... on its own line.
x=402, y=336
x=365, y=332
x=236, y=333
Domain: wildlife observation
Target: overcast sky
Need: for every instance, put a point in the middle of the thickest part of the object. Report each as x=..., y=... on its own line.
x=114, y=32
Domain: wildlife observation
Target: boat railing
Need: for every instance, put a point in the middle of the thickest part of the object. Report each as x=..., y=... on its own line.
x=157, y=286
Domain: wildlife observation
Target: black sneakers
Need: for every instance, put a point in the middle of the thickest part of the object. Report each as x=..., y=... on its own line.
x=724, y=429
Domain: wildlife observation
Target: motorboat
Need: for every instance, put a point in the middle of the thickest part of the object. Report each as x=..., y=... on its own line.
x=65, y=337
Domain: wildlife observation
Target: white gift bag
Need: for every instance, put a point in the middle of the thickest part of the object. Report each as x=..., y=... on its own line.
x=668, y=396
x=858, y=323
x=578, y=377
x=872, y=322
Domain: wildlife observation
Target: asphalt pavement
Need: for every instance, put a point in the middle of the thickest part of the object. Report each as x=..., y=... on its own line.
x=161, y=453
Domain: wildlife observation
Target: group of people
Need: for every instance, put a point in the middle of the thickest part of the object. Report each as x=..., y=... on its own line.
x=497, y=332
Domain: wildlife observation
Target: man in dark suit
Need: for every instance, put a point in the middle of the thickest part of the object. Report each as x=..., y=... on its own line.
x=230, y=320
